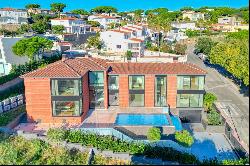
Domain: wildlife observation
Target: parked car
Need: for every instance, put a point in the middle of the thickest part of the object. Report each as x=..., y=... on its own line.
x=202, y=56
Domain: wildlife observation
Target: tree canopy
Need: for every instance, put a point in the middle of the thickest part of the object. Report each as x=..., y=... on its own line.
x=32, y=6
x=104, y=9
x=57, y=7
x=204, y=45
x=31, y=46
x=80, y=11
x=94, y=23
x=94, y=41
x=57, y=29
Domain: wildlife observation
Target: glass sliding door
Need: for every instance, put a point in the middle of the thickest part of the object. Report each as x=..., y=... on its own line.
x=160, y=91
x=113, y=82
x=96, y=89
x=136, y=91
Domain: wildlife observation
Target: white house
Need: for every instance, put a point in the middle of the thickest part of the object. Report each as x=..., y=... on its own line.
x=104, y=20
x=184, y=25
x=13, y=16
x=175, y=35
x=119, y=41
x=228, y=20
x=193, y=16
x=72, y=25
x=7, y=57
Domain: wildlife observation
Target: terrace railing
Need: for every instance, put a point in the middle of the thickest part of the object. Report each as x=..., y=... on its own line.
x=11, y=103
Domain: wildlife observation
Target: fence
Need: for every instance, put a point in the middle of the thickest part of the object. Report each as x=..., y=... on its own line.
x=11, y=103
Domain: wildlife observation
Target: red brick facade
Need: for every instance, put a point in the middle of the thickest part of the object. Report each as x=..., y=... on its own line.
x=39, y=105
x=171, y=90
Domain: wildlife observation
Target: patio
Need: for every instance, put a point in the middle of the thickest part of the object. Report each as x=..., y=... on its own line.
x=106, y=118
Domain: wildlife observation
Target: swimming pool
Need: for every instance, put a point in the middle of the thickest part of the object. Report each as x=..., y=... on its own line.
x=141, y=119
x=176, y=122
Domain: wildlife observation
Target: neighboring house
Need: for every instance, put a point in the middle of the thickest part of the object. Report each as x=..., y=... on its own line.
x=112, y=15
x=227, y=20
x=193, y=16
x=7, y=57
x=175, y=35
x=69, y=14
x=104, y=20
x=128, y=37
x=70, y=87
x=13, y=16
x=41, y=11
x=72, y=25
x=184, y=25
x=229, y=28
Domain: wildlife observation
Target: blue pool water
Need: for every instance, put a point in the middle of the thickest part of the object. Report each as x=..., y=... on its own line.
x=176, y=122
x=141, y=119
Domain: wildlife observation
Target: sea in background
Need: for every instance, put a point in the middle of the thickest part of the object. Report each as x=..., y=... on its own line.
x=127, y=5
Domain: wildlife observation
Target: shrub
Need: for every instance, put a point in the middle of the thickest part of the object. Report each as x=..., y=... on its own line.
x=154, y=134
x=100, y=160
x=184, y=138
x=180, y=49
x=241, y=161
x=56, y=134
x=213, y=117
x=209, y=99
x=9, y=116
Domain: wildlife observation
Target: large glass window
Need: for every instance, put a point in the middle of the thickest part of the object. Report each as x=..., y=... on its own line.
x=190, y=100
x=190, y=82
x=96, y=78
x=113, y=82
x=136, y=82
x=136, y=91
x=136, y=100
x=67, y=108
x=65, y=87
x=96, y=89
x=160, y=91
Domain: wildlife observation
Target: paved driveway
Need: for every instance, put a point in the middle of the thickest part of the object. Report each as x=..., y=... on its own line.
x=226, y=91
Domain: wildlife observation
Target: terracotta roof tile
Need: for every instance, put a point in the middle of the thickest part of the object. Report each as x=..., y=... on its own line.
x=136, y=39
x=77, y=67
x=155, y=68
x=66, y=18
x=119, y=31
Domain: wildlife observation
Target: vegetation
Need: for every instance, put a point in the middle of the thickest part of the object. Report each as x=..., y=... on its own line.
x=104, y=9
x=213, y=117
x=56, y=134
x=18, y=151
x=204, y=45
x=13, y=91
x=57, y=7
x=209, y=99
x=184, y=138
x=154, y=134
x=94, y=23
x=7, y=117
x=241, y=161
x=100, y=160
x=58, y=29
x=32, y=6
x=80, y=11
x=32, y=46
x=40, y=27
x=94, y=41
x=232, y=54
x=180, y=49
x=129, y=55
x=19, y=70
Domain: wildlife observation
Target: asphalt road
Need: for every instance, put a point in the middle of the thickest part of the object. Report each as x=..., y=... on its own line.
x=225, y=90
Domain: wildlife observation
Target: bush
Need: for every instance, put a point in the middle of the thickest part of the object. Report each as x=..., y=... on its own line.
x=56, y=134
x=18, y=151
x=209, y=99
x=9, y=116
x=184, y=138
x=213, y=117
x=100, y=160
x=18, y=70
x=11, y=92
x=241, y=161
x=154, y=134
x=180, y=49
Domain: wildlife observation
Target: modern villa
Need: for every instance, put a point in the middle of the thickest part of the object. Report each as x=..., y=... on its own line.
x=65, y=91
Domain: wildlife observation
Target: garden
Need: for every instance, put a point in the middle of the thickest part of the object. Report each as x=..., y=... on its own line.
x=133, y=148
x=7, y=117
x=16, y=150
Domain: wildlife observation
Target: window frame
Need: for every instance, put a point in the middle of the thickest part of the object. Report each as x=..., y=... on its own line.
x=189, y=95
x=67, y=98
x=131, y=91
x=190, y=82
x=155, y=81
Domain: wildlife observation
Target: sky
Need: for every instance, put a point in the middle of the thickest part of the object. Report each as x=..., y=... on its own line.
x=126, y=5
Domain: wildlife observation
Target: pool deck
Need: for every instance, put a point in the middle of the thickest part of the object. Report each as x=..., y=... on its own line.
x=105, y=118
